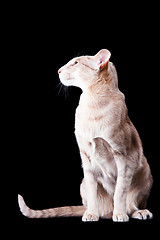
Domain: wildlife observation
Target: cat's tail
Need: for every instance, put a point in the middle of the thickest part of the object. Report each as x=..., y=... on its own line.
x=75, y=211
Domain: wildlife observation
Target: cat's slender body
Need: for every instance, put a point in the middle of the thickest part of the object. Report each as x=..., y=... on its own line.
x=117, y=178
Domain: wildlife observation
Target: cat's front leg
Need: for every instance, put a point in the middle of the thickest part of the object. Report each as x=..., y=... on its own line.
x=119, y=212
x=124, y=179
x=92, y=212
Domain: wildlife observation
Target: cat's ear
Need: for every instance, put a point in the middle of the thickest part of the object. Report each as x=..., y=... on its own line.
x=102, y=58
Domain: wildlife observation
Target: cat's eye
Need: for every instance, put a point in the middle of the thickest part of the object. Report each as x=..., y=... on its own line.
x=75, y=62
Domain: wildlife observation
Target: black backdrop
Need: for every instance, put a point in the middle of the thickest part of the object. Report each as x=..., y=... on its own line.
x=43, y=38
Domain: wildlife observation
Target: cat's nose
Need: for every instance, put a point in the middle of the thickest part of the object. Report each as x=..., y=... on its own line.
x=59, y=71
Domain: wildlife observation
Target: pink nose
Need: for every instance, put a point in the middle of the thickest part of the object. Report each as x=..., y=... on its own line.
x=59, y=71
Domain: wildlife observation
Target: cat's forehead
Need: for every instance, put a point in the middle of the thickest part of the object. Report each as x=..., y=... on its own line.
x=80, y=59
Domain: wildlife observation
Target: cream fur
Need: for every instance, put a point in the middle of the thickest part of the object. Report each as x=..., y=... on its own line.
x=117, y=178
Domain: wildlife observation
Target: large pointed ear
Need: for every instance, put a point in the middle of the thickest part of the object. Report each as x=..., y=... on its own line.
x=102, y=58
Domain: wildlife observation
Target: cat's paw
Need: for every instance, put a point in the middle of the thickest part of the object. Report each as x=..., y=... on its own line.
x=120, y=217
x=89, y=217
x=142, y=214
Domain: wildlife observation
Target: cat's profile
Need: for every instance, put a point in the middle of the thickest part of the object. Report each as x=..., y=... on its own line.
x=117, y=178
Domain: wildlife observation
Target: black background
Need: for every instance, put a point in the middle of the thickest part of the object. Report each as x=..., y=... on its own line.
x=46, y=166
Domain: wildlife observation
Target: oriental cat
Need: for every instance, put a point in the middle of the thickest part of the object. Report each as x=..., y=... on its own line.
x=117, y=178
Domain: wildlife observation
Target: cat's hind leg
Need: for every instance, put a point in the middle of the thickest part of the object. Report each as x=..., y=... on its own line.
x=138, y=211
x=142, y=214
x=138, y=194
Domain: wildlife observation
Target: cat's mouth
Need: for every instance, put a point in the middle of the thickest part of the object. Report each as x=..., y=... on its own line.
x=64, y=76
x=67, y=81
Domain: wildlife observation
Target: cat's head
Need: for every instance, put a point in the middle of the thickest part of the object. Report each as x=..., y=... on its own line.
x=83, y=71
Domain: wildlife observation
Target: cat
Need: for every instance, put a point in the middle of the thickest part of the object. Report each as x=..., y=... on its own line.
x=117, y=178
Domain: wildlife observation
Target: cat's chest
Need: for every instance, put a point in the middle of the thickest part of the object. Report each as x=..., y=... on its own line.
x=91, y=123
x=87, y=123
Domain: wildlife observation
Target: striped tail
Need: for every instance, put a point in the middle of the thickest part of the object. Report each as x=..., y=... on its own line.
x=74, y=211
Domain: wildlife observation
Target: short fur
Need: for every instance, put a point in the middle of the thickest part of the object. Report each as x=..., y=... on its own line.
x=117, y=178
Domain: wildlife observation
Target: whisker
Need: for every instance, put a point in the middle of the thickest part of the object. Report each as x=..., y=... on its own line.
x=62, y=89
x=80, y=53
x=66, y=91
x=59, y=84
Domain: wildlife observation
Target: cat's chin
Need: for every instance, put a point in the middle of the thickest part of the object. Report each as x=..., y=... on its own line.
x=69, y=82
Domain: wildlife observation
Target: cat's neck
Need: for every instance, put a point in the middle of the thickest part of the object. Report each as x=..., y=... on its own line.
x=103, y=90
x=97, y=96
x=105, y=85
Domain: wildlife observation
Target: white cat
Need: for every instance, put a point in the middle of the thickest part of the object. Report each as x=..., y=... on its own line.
x=117, y=178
